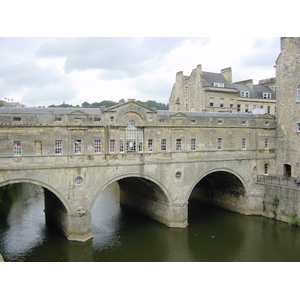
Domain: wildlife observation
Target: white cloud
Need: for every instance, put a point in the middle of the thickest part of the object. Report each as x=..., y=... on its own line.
x=53, y=70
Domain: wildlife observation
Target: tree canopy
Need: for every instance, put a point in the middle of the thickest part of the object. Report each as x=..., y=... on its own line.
x=109, y=103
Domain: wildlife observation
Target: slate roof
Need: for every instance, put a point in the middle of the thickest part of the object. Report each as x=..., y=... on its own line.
x=209, y=78
x=51, y=110
x=257, y=91
x=203, y=113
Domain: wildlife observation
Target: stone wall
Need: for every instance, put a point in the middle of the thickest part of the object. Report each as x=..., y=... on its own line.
x=288, y=201
x=288, y=106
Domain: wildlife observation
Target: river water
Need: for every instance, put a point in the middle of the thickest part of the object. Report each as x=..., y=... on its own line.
x=122, y=235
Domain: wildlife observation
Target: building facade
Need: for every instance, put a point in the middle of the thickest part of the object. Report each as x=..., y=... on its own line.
x=215, y=92
x=288, y=103
x=130, y=128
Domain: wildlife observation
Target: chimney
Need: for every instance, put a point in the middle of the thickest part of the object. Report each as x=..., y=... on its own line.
x=227, y=73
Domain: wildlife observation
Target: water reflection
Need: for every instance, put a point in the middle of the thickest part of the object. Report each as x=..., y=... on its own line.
x=121, y=234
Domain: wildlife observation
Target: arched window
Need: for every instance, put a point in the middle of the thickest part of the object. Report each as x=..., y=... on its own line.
x=131, y=136
x=298, y=93
x=134, y=137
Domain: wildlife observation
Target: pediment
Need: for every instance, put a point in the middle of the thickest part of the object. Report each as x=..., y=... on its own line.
x=77, y=112
x=266, y=116
x=132, y=106
x=179, y=115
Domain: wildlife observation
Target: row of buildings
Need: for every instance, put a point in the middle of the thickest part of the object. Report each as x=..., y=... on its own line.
x=215, y=92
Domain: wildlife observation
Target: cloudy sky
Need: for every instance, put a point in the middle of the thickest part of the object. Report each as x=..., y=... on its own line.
x=45, y=71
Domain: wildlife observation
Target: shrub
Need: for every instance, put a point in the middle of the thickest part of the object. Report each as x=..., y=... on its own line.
x=294, y=220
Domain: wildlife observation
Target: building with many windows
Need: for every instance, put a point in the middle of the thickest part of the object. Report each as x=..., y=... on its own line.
x=130, y=128
x=215, y=92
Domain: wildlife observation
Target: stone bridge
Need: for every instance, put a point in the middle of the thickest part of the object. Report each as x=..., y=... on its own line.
x=161, y=160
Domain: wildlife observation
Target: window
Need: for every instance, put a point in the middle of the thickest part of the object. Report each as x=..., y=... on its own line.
x=112, y=146
x=162, y=120
x=131, y=136
x=193, y=144
x=193, y=121
x=243, y=122
x=186, y=89
x=238, y=107
x=220, y=121
x=218, y=84
x=243, y=144
x=58, y=146
x=141, y=138
x=211, y=101
x=58, y=119
x=219, y=144
x=231, y=103
x=246, y=108
x=222, y=102
x=298, y=93
x=178, y=144
x=97, y=119
x=17, y=148
x=78, y=181
x=245, y=94
x=150, y=145
x=17, y=119
x=122, y=134
x=97, y=146
x=267, y=95
x=77, y=147
x=266, y=143
x=266, y=167
x=163, y=145
x=269, y=109
x=298, y=127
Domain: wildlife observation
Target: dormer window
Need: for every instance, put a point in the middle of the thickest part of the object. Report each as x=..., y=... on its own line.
x=245, y=94
x=267, y=95
x=17, y=119
x=58, y=119
x=218, y=84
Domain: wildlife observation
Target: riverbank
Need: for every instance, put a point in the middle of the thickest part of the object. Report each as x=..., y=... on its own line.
x=1, y=258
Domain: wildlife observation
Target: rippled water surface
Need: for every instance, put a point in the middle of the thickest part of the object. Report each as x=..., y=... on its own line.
x=123, y=235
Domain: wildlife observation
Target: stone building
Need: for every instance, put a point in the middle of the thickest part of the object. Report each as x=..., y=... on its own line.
x=130, y=127
x=160, y=158
x=215, y=92
x=288, y=107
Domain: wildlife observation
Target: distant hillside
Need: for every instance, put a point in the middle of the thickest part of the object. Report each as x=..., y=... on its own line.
x=109, y=103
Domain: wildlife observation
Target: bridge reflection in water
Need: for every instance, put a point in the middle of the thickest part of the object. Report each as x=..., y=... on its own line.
x=121, y=234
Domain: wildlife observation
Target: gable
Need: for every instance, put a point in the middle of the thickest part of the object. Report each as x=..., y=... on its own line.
x=266, y=116
x=130, y=105
x=77, y=112
x=179, y=115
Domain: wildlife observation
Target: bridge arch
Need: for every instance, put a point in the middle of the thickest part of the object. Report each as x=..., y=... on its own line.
x=220, y=187
x=142, y=193
x=40, y=183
